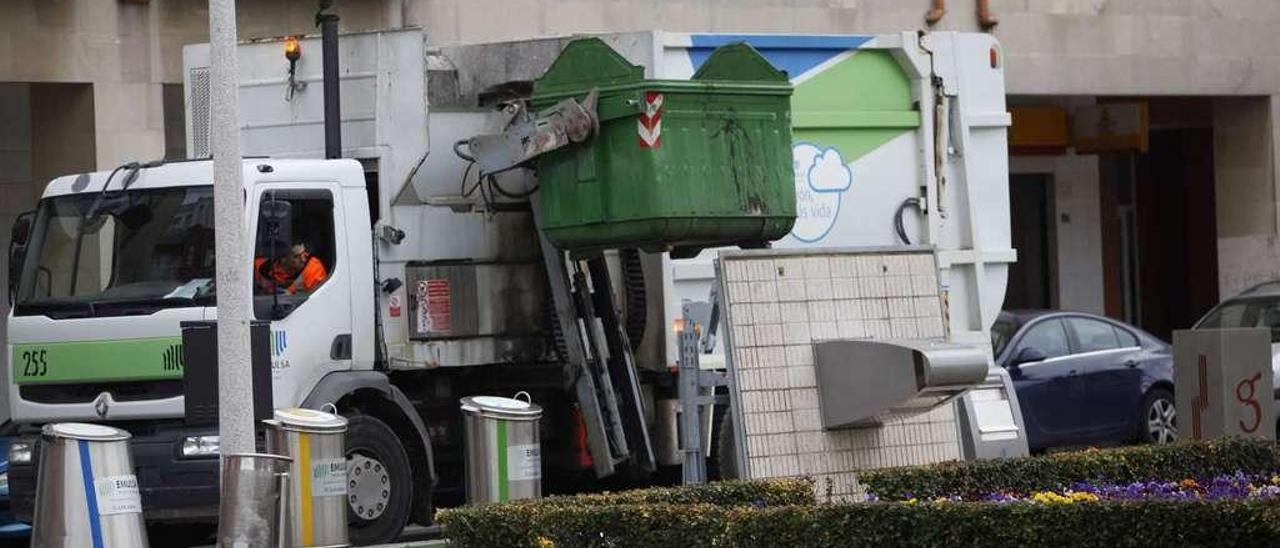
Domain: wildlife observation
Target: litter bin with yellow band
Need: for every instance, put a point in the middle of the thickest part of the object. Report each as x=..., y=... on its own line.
x=503, y=453
x=318, y=504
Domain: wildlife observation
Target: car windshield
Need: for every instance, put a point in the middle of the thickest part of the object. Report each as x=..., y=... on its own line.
x=1001, y=332
x=1250, y=312
x=128, y=252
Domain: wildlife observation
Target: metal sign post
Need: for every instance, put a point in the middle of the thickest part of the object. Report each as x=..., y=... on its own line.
x=235, y=390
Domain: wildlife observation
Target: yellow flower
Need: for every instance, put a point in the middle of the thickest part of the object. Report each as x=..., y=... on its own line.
x=1189, y=484
x=1081, y=496
x=1275, y=480
x=544, y=542
x=1050, y=497
x=911, y=500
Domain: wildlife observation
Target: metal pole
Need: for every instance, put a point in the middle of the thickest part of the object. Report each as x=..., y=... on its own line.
x=329, y=55
x=689, y=390
x=235, y=389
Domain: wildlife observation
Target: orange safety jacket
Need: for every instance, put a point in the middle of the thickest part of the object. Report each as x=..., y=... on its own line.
x=312, y=275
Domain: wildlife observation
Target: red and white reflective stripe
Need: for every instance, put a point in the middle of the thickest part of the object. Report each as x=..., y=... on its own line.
x=649, y=125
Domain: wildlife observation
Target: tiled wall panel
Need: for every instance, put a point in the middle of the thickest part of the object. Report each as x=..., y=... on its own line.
x=779, y=303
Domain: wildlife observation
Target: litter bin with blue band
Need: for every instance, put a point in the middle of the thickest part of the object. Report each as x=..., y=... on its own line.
x=86, y=491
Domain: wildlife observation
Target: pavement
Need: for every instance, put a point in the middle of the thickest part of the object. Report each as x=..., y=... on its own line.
x=414, y=536
x=437, y=543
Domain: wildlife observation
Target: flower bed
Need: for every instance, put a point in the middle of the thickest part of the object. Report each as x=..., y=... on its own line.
x=974, y=480
x=1239, y=486
x=1224, y=493
x=1199, y=523
x=1207, y=523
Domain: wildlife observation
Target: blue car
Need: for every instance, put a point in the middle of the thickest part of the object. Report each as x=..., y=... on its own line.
x=1086, y=380
x=10, y=527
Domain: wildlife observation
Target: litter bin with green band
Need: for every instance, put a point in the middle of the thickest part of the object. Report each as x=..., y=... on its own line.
x=676, y=164
x=503, y=453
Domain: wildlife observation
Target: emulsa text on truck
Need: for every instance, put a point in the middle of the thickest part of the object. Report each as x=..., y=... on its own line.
x=509, y=217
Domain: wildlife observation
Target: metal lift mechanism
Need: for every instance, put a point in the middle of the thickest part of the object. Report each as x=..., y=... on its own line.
x=598, y=360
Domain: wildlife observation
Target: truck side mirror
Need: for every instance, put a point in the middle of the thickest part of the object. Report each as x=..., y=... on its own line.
x=19, y=237
x=275, y=219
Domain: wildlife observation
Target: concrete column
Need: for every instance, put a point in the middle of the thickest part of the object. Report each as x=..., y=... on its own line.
x=1076, y=227
x=1245, y=146
x=63, y=133
x=15, y=188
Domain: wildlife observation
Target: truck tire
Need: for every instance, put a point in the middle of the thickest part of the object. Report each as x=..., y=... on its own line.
x=723, y=462
x=380, y=481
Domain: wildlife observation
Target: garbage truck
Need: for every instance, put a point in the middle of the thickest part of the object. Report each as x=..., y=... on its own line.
x=486, y=219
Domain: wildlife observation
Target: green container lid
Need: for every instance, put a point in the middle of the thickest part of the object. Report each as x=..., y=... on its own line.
x=678, y=164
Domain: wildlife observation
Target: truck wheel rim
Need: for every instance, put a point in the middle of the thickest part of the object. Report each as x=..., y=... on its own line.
x=368, y=486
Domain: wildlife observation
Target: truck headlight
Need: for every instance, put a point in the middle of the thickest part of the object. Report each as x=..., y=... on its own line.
x=200, y=446
x=19, y=453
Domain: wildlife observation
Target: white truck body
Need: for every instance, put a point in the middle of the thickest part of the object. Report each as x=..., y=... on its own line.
x=932, y=125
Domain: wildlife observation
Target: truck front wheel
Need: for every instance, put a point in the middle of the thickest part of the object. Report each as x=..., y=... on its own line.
x=379, y=481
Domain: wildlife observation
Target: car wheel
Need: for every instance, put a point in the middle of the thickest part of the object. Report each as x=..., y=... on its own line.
x=379, y=481
x=1159, y=417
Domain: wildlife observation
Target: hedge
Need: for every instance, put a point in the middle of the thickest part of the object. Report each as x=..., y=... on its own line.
x=1118, y=524
x=767, y=492
x=661, y=513
x=571, y=526
x=1111, y=524
x=977, y=479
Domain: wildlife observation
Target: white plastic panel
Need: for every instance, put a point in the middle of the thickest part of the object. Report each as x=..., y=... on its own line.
x=971, y=228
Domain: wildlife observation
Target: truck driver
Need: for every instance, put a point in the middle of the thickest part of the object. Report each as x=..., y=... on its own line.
x=296, y=270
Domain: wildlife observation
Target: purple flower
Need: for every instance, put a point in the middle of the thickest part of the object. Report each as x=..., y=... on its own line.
x=1235, y=486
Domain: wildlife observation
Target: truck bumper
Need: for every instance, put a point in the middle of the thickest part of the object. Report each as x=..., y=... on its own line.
x=173, y=488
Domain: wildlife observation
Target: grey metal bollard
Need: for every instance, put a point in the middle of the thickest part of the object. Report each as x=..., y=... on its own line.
x=315, y=440
x=86, y=491
x=254, y=505
x=503, y=451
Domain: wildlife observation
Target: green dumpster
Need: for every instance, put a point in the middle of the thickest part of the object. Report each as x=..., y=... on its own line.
x=677, y=165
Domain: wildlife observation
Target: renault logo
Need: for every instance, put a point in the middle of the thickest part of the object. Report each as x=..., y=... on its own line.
x=100, y=405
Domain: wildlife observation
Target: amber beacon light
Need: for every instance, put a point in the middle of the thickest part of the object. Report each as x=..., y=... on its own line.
x=292, y=49
x=293, y=52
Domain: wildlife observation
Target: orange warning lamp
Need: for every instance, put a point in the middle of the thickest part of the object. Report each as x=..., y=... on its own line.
x=292, y=49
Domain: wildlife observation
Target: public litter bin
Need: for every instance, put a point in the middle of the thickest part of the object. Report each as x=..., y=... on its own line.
x=86, y=490
x=254, y=503
x=503, y=454
x=318, y=486
x=675, y=164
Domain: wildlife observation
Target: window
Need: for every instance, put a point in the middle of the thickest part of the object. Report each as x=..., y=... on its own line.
x=1049, y=336
x=1094, y=335
x=120, y=253
x=1127, y=339
x=1001, y=332
x=1253, y=312
x=294, y=252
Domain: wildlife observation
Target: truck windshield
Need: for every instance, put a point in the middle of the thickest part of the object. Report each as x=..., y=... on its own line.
x=1251, y=312
x=122, y=253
